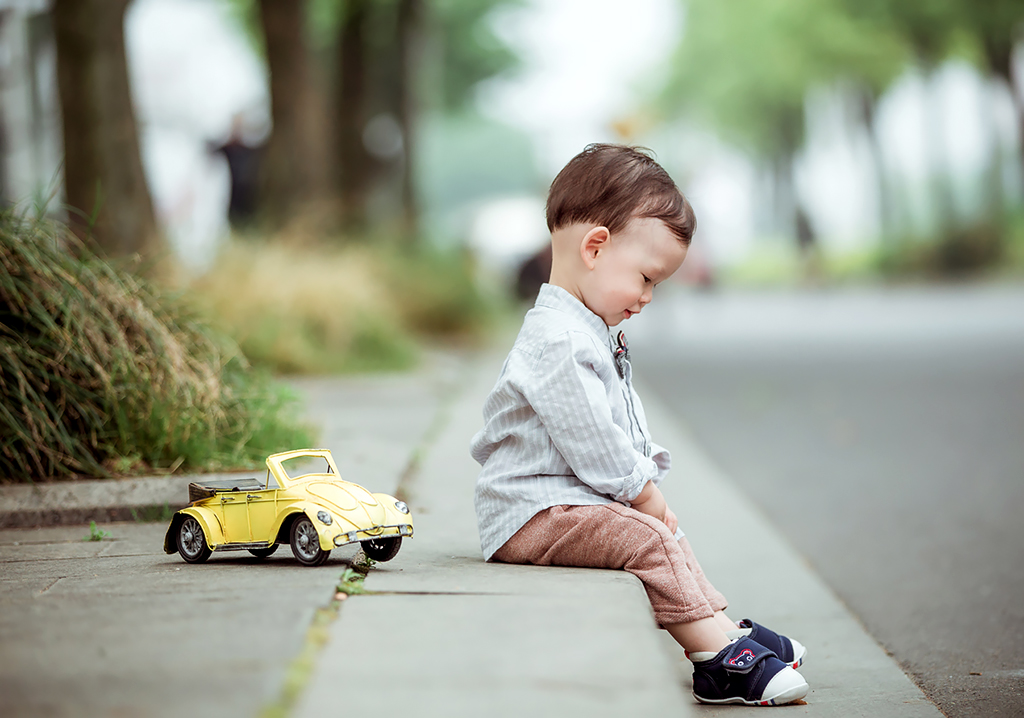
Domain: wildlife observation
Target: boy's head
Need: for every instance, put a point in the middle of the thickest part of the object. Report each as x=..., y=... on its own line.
x=619, y=226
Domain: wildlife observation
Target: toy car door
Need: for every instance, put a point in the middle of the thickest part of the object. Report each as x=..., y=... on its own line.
x=235, y=515
x=262, y=507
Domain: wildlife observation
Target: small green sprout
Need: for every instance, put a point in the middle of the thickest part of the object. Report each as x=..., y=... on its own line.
x=96, y=533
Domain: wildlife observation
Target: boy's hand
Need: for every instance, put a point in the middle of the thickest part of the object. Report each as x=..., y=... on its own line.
x=670, y=520
x=651, y=502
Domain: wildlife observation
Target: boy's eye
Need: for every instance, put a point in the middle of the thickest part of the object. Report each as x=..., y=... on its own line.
x=647, y=280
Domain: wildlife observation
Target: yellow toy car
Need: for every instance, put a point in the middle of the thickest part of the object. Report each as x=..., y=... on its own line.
x=306, y=505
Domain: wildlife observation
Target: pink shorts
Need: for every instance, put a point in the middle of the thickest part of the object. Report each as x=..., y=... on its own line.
x=615, y=536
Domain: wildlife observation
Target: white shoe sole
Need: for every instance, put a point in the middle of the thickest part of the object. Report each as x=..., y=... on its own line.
x=798, y=654
x=785, y=687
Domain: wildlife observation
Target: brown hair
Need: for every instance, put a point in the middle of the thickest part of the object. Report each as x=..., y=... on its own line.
x=612, y=185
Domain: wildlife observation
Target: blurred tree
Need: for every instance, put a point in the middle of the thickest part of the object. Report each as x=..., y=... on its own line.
x=931, y=30
x=744, y=68
x=354, y=168
x=103, y=176
x=465, y=49
x=397, y=58
x=389, y=60
x=410, y=28
x=291, y=153
x=999, y=26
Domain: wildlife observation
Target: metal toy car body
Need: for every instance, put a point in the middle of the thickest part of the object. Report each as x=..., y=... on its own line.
x=314, y=512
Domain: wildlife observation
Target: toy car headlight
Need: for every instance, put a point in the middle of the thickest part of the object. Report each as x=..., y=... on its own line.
x=324, y=517
x=402, y=506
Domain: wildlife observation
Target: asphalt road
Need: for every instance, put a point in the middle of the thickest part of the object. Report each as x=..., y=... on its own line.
x=882, y=431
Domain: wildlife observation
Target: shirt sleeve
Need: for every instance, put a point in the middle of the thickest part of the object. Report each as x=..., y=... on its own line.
x=570, y=398
x=663, y=460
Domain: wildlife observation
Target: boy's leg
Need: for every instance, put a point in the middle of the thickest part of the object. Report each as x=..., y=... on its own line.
x=790, y=651
x=617, y=537
x=613, y=536
x=714, y=597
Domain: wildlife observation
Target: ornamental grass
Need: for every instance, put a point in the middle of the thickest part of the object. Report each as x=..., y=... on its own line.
x=102, y=373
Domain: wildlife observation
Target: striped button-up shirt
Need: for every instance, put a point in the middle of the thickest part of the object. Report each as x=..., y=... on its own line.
x=562, y=426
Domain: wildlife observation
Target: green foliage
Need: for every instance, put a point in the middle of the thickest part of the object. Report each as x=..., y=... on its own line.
x=437, y=295
x=100, y=371
x=929, y=28
x=96, y=533
x=469, y=49
x=745, y=66
x=247, y=14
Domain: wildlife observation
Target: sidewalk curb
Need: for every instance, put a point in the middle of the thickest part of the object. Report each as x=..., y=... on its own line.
x=364, y=447
x=66, y=503
x=770, y=581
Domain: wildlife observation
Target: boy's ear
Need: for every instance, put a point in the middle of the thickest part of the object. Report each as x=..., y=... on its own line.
x=594, y=242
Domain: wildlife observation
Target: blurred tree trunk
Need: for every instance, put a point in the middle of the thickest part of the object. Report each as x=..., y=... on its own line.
x=410, y=35
x=788, y=126
x=288, y=166
x=103, y=176
x=998, y=50
x=380, y=57
x=887, y=219
x=354, y=164
x=944, y=207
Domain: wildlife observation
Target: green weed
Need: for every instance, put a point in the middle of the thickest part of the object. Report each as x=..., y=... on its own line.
x=351, y=583
x=96, y=533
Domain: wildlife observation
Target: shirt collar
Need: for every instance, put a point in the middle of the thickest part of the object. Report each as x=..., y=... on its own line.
x=559, y=299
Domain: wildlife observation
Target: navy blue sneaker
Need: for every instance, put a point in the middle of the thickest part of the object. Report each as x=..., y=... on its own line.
x=786, y=649
x=746, y=672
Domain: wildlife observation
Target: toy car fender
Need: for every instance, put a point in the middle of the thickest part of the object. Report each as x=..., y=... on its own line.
x=207, y=520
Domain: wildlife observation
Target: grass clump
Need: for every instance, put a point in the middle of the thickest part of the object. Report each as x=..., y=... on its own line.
x=308, y=308
x=100, y=373
x=299, y=311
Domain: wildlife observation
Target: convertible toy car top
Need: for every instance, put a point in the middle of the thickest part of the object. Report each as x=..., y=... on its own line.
x=314, y=511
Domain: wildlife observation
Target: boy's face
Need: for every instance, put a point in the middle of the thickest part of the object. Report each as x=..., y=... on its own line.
x=628, y=267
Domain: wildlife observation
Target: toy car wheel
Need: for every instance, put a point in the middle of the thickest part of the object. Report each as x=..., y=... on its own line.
x=263, y=552
x=306, y=543
x=382, y=549
x=192, y=541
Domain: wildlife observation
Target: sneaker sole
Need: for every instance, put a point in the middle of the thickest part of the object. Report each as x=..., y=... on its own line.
x=794, y=693
x=799, y=660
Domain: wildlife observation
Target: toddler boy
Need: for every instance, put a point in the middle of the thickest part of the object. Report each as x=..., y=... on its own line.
x=570, y=474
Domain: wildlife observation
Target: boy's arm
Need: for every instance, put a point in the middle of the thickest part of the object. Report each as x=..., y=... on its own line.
x=651, y=502
x=571, y=400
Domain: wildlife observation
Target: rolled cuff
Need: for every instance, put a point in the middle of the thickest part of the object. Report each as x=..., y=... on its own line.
x=661, y=457
x=645, y=470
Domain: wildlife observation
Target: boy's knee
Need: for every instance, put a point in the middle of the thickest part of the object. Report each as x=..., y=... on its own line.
x=651, y=526
x=653, y=536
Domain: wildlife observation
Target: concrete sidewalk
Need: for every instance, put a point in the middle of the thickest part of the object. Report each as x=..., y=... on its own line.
x=446, y=634
x=459, y=637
